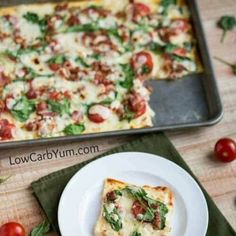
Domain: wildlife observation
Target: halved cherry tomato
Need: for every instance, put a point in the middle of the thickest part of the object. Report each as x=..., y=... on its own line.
x=137, y=104
x=137, y=209
x=179, y=25
x=12, y=229
x=98, y=113
x=143, y=61
x=95, y=118
x=225, y=150
x=141, y=9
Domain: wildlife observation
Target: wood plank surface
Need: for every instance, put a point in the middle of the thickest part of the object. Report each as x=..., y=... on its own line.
x=195, y=145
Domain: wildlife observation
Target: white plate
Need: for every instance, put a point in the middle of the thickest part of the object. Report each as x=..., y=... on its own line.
x=80, y=202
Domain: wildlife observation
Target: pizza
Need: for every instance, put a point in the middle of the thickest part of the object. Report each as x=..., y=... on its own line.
x=80, y=67
x=129, y=210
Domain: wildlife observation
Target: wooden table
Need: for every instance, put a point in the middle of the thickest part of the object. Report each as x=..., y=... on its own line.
x=17, y=202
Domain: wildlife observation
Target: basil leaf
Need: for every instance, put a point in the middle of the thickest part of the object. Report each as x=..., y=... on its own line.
x=58, y=59
x=113, y=218
x=74, y=129
x=61, y=107
x=22, y=109
x=82, y=62
x=4, y=179
x=35, y=19
x=41, y=229
x=82, y=28
x=129, y=76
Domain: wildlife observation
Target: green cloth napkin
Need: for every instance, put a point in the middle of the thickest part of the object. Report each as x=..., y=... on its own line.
x=49, y=188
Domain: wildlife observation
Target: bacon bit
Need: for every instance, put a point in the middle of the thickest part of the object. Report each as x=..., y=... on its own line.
x=137, y=209
x=4, y=79
x=137, y=104
x=55, y=95
x=32, y=126
x=41, y=106
x=111, y=196
x=2, y=105
x=20, y=40
x=73, y=20
x=6, y=129
x=64, y=73
x=67, y=94
x=55, y=45
x=54, y=66
x=31, y=94
x=61, y=7
x=3, y=36
x=77, y=116
x=157, y=221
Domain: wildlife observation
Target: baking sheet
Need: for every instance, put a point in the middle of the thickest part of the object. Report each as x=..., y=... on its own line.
x=188, y=102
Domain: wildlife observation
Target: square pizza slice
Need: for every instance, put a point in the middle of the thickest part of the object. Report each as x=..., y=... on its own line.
x=129, y=210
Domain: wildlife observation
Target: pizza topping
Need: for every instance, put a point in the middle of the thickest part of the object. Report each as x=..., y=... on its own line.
x=98, y=113
x=112, y=216
x=5, y=129
x=142, y=63
x=147, y=209
x=113, y=195
x=137, y=104
x=74, y=129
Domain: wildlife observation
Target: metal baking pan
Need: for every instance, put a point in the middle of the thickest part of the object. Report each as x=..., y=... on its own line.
x=192, y=101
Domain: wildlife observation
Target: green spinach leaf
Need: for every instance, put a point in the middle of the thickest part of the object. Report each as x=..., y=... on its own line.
x=113, y=218
x=73, y=129
x=129, y=76
x=58, y=59
x=82, y=62
x=226, y=23
x=61, y=107
x=41, y=229
x=35, y=19
x=22, y=109
x=82, y=28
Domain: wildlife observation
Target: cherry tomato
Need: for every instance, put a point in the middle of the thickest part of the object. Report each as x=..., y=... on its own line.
x=143, y=61
x=95, y=118
x=12, y=229
x=141, y=9
x=98, y=113
x=137, y=209
x=225, y=150
x=179, y=26
x=137, y=104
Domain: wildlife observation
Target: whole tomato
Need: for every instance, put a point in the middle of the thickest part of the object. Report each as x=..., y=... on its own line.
x=225, y=150
x=12, y=229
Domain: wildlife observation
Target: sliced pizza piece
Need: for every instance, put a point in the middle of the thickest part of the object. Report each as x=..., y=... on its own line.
x=129, y=210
